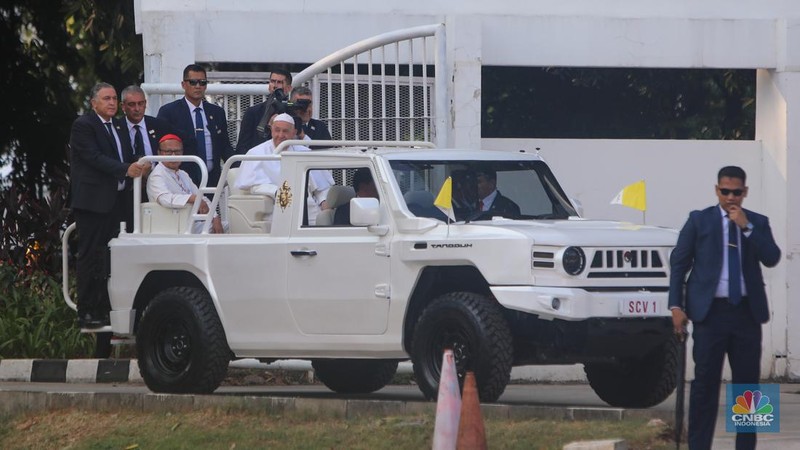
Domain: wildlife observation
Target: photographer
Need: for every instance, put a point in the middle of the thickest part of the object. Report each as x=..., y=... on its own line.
x=255, y=122
x=303, y=108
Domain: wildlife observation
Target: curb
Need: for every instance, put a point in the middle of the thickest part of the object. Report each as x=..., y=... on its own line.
x=70, y=370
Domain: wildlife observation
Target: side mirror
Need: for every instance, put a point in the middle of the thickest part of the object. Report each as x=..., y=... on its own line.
x=364, y=211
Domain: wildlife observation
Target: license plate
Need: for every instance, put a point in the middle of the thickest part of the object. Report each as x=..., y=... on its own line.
x=641, y=308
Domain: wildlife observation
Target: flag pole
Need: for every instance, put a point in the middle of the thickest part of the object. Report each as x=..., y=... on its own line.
x=644, y=211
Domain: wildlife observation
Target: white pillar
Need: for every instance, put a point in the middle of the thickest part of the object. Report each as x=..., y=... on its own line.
x=168, y=42
x=464, y=48
x=778, y=128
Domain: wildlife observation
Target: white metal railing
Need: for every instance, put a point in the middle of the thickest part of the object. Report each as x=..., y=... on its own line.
x=234, y=98
x=194, y=215
x=380, y=89
x=218, y=193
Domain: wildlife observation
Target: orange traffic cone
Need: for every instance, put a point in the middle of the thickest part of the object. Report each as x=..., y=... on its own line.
x=448, y=405
x=471, y=434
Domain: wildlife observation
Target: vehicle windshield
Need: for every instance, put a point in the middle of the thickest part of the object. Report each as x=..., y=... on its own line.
x=483, y=189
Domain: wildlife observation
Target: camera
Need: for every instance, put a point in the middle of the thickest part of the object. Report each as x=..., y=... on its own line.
x=281, y=103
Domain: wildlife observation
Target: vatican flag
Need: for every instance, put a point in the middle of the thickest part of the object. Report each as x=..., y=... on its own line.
x=633, y=196
x=444, y=201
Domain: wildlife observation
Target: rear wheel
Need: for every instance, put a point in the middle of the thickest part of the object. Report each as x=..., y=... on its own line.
x=473, y=326
x=637, y=383
x=354, y=376
x=181, y=343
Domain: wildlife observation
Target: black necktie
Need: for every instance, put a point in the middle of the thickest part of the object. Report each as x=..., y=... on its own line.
x=734, y=266
x=113, y=139
x=199, y=132
x=138, y=142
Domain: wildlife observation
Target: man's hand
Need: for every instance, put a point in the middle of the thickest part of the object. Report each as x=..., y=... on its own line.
x=203, y=209
x=737, y=214
x=679, y=321
x=146, y=166
x=135, y=170
x=324, y=205
x=216, y=225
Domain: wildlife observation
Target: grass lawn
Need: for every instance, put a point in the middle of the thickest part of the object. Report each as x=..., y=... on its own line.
x=216, y=429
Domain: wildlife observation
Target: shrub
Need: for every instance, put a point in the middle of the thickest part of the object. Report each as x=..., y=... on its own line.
x=35, y=321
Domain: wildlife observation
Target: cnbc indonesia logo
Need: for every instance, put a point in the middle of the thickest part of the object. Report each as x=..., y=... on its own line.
x=754, y=410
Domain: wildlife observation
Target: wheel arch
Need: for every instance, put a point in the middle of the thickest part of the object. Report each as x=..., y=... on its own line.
x=157, y=281
x=434, y=281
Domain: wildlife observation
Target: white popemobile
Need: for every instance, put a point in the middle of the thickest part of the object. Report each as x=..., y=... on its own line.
x=526, y=281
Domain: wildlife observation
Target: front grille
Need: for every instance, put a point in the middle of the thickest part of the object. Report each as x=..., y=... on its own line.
x=626, y=263
x=619, y=259
x=608, y=263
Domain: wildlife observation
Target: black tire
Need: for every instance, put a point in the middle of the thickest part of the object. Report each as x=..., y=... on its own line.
x=637, y=383
x=354, y=376
x=181, y=344
x=474, y=327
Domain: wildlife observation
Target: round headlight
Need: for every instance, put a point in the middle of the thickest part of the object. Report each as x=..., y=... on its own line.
x=574, y=260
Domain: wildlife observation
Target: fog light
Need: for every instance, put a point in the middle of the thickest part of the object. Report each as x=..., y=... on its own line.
x=556, y=303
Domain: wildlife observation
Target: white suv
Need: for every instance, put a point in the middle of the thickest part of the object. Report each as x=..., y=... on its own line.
x=535, y=284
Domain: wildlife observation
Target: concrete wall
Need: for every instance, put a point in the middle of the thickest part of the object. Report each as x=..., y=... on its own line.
x=762, y=35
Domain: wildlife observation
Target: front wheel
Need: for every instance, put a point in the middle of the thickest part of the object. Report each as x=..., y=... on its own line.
x=473, y=326
x=637, y=383
x=181, y=343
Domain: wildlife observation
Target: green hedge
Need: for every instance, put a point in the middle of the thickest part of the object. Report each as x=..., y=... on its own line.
x=35, y=321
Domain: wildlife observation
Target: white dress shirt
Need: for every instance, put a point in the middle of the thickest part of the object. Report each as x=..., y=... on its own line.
x=722, y=286
x=206, y=133
x=148, y=150
x=120, y=184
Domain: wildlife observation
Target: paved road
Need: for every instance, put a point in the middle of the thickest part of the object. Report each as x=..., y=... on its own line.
x=538, y=399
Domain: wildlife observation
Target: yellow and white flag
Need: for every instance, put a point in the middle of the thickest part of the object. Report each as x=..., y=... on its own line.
x=444, y=201
x=633, y=196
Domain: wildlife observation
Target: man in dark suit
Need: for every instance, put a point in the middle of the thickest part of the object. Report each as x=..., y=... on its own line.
x=723, y=247
x=100, y=189
x=143, y=131
x=491, y=201
x=201, y=125
x=304, y=108
x=254, y=128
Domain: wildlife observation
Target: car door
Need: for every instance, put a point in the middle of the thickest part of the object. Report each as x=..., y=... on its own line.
x=338, y=275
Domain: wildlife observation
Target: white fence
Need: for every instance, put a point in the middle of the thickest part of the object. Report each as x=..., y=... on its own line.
x=384, y=88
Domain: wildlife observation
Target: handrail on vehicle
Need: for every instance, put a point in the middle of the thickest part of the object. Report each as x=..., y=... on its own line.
x=216, y=191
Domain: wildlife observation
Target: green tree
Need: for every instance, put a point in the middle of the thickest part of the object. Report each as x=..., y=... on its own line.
x=56, y=50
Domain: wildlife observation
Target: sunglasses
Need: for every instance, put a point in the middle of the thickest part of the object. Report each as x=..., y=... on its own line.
x=735, y=192
x=196, y=82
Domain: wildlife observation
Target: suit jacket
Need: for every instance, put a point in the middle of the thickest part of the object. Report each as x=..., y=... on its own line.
x=504, y=206
x=317, y=130
x=156, y=129
x=178, y=116
x=249, y=136
x=95, y=166
x=699, y=250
